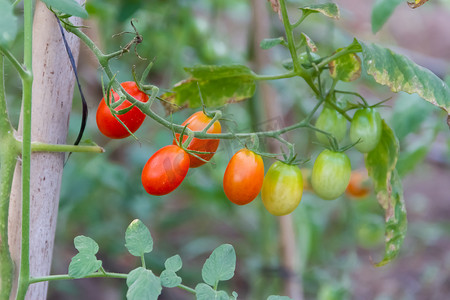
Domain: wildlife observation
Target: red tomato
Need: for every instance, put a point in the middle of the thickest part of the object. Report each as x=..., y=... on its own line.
x=243, y=177
x=165, y=170
x=359, y=186
x=197, y=122
x=133, y=119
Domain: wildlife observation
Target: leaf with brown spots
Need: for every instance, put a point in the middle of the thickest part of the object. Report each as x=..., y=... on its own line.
x=276, y=7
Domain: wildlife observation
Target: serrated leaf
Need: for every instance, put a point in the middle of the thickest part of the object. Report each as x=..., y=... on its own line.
x=381, y=11
x=85, y=244
x=401, y=74
x=330, y=10
x=220, y=265
x=138, y=239
x=173, y=263
x=381, y=163
x=83, y=264
x=205, y=292
x=143, y=284
x=170, y=279
x=269, y=43
x=278, y=298
x=346, y=68
x=70, y=7
x=8, y=23
x=218, y=85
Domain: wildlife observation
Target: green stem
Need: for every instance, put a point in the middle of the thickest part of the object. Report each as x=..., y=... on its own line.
x=42, y=147
x=143, y=261
x=186, y=288
x=27, y=81
x=67, y=277
x=8, y=155
x=275, y=77
x=24, y=73
x=290, y=38
x=335, y=56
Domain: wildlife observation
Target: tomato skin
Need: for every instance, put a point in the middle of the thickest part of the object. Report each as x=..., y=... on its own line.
x=197, y=122
x=331, y=174
x=333, y=122
x=165, y=170
x=243, y=177
x=366, y=125
x=282, y=188
x=359, y=186
x=133, y=119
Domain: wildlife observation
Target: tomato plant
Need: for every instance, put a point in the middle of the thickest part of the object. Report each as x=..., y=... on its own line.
x=197, y=122
x=282, y=188
x=243, y=177
x=133, y=119
x=359, y=185
x=332, y=122
x=165, y=170
x=330, y=174
x=366, y=128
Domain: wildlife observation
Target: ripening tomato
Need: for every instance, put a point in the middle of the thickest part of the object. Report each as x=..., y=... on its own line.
x=243, y=177
x=133, y=119
x=359, y=185
x=165, y=170
x=197, y=122
x=332, y=122
x=366, y=127
x=330, y=174
x=282, y=188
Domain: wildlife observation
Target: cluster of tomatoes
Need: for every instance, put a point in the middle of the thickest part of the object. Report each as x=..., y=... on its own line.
x=281, y=187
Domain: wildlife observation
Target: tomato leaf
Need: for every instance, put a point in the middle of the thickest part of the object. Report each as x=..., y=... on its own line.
x=143, y=284
x=173, y=263
x=70, y=7
x=138, y=238
x=381, y=11
x=220, y=265
x=85, y=262
x=330, y=10
x=269, y=43
x=205, y=292
x=401, y=74
x=8, y=23
x=381, y=163
x=346, y=68
x=308, y=42
x=218, y=85
x=278, y=298
x=170, y=279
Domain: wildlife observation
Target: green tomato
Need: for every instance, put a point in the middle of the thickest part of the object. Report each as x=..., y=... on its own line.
x=282, y=188
x=331, y=174
x=333, y=122
x=366, y=127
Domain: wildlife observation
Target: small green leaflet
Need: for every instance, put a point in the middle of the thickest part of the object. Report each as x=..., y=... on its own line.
x=330, y=10
x=85, y=262
x=205, y=292
x=173, y=263
x=218, y=85
x=138, y=239
x=269, y=43
x=168, y=277
x=8, y=23
x=380, y=164
x=401, y=74
x=346, y=68
x=220, y=265
x=381, y=11
x=143, y=285
x=70, y=7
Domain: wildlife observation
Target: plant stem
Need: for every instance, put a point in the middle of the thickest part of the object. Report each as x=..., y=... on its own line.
x=186, y=288
x=67, y=277
x=24, y=73
x=42, y=147
x=8, y=155
x=27, y=81
x=290, y=38
x=335, y=56
x=274, y=77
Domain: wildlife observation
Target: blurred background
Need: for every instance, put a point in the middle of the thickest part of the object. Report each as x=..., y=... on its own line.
x=337, y=241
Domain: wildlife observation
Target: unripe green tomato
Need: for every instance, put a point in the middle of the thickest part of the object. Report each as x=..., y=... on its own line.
x=333, y=122
x=331, y=174
x=366, y=127
x=282, y=188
